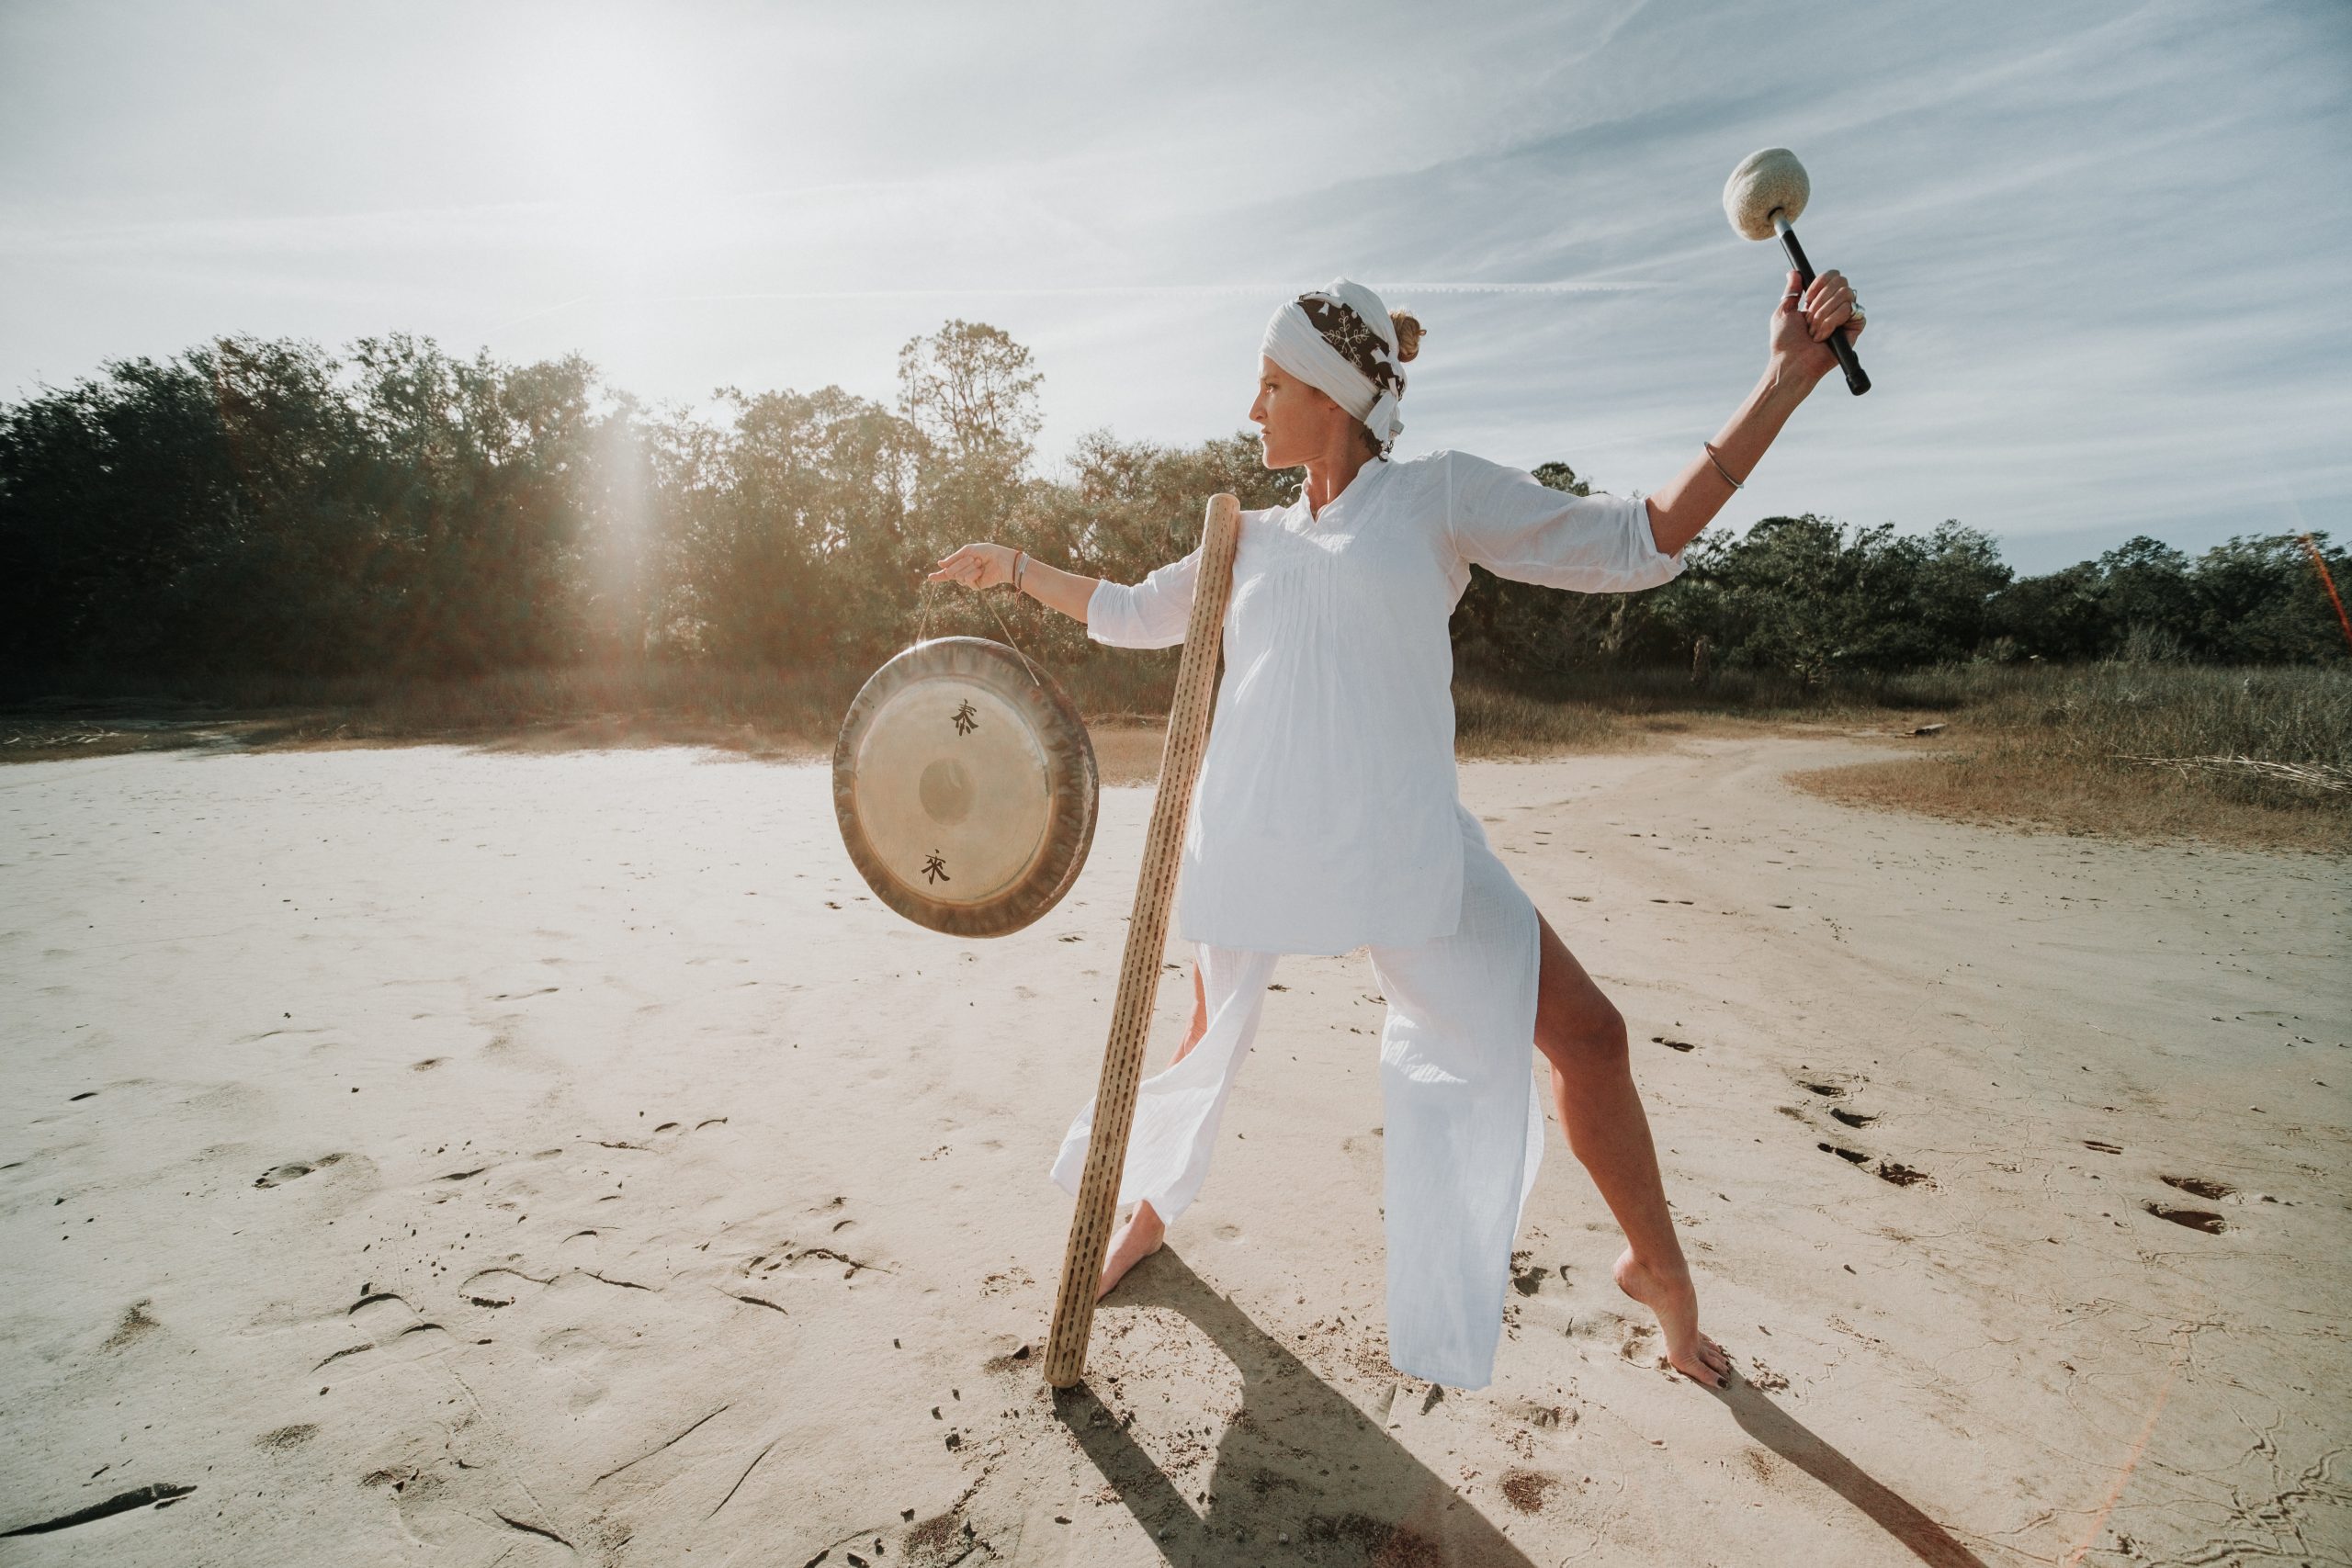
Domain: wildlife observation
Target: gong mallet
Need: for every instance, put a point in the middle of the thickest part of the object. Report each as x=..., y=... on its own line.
x=1765, y=196
x=1114, y=1097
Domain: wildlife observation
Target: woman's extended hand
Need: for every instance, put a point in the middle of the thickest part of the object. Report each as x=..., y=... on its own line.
x=1800, y=356
x=977, y=566
x=1803, y=320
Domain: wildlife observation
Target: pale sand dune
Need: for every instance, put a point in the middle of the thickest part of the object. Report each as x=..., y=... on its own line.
x=423, y=1157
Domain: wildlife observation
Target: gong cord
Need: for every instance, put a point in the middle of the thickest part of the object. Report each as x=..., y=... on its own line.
x=923, y=628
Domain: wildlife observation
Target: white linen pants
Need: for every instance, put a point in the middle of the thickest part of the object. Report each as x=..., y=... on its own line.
x=1464, y=1128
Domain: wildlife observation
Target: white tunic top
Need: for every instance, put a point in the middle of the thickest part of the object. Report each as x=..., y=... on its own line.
x=1325, y=818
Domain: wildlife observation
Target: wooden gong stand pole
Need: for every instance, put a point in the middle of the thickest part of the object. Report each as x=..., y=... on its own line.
x=1114, y=1097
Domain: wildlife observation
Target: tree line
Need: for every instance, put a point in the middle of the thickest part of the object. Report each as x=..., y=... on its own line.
x=264, y=506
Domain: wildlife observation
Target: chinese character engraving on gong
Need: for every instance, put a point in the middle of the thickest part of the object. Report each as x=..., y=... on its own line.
x=935, y=870
x=966, y=720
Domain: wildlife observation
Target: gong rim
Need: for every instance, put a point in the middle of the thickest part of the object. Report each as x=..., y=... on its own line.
x=1072, y=787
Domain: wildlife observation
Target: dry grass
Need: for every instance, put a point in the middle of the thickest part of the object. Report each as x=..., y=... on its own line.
x=2053, y=748
x=1127, y=752
x=1488, y=722
x=762, y=712
x=2253, y=758
x=2153, y=806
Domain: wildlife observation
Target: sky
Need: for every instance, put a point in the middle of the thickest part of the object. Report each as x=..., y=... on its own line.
x=2104, y=247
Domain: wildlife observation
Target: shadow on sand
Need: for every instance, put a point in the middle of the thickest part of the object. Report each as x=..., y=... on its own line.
x=1300, y=1461
x=1797, y=1443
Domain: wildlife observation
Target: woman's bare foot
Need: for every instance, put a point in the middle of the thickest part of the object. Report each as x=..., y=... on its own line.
x=1676, y=1302
x=1141, y=1236
x=1136, y=1240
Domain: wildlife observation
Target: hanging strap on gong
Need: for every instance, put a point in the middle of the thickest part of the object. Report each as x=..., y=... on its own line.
x=923, y=631
x=1114, y=1097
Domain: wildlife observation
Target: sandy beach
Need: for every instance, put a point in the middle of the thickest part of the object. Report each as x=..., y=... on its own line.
x=438, y=1156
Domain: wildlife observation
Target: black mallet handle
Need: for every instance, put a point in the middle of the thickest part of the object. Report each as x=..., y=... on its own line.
x=1858, y=380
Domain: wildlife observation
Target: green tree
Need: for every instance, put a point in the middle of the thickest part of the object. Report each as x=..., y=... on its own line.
x=264, y=506
x=2058, y=616
x=1804, y=596
x=2259, y=601
x=474, y=469
x=2145, y=582
x=790, y=528
x=972, y=391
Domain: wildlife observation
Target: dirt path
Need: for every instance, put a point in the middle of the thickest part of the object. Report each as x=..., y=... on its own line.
x=428, y=1156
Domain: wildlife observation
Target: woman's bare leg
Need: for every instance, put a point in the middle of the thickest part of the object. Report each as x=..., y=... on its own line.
x=1582, y=1035
x=1140, y=1237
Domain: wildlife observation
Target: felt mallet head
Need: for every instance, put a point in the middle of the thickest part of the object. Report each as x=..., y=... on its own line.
x=1764, y=196
x=1765, y=183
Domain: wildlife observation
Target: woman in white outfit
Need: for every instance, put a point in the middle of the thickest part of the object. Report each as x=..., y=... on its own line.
x=1326, y=817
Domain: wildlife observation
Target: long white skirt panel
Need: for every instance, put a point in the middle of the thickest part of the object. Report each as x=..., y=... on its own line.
x=1464, y=1128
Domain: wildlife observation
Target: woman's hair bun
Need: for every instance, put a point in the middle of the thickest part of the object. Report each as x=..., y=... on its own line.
x=1409, y=333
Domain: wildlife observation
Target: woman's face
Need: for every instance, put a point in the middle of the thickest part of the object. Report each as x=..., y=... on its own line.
x=1298, y=423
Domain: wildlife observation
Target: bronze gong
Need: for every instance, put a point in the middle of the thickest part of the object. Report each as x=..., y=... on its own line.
x=966, y=788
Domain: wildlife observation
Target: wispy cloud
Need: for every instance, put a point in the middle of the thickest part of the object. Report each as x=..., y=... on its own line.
x=2101, y=243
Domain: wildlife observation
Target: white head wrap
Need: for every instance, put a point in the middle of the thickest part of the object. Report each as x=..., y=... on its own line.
x=1294, y=343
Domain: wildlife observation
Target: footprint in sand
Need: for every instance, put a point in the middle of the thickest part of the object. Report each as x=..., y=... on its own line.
x=293, y=1171
x=1008, y=1361
x=1887, y=1170
x=386, y=1319
x=2200, y=1186
x=499, y=1286
x=135, y=1326
x=2195, y=1219
x=582, y=1353
x=286, y=1438
x=1546, y=1417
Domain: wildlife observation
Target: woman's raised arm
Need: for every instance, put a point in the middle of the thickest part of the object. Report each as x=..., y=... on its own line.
x=985, y=566
x=1800, y=357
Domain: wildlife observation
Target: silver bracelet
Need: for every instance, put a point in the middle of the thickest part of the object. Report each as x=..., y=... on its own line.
x=1718, y=462
x=1020, y=560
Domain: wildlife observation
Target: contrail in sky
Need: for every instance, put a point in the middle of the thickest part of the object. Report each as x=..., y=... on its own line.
x=1248, y=290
